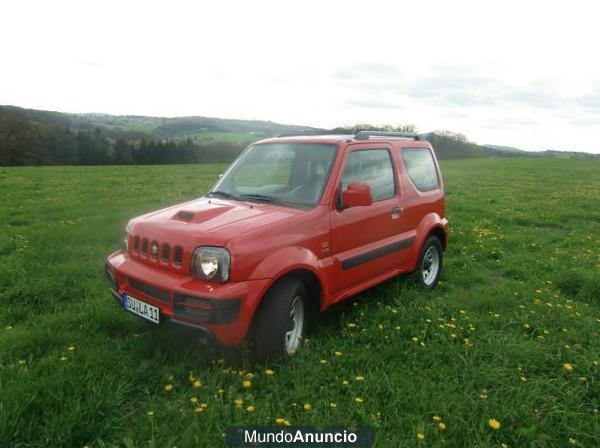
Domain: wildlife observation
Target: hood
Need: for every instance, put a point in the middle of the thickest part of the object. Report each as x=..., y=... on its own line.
x=207, y=221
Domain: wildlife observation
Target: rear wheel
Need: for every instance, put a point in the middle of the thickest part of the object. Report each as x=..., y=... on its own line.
x=281, y=320
x=430, y=263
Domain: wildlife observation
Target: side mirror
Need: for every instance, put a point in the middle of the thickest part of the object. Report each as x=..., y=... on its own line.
x=356, y=195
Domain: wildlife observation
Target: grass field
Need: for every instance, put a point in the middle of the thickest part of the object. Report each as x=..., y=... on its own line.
x=510, y=334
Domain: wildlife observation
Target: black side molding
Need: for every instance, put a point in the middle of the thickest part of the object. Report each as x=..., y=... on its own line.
x=377, y=253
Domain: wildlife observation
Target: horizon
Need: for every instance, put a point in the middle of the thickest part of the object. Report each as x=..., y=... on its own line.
x=500, y=74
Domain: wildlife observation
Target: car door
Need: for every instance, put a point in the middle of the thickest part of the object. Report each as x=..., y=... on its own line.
x=364, y=238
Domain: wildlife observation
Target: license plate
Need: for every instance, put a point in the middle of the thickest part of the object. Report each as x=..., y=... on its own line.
x=140, y=308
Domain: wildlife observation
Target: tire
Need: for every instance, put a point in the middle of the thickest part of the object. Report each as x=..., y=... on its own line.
x=281, y=320
x=431, y=261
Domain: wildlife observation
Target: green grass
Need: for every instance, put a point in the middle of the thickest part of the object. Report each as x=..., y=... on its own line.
x=519, y=299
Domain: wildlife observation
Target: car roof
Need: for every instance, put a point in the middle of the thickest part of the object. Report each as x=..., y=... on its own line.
x=337, y=138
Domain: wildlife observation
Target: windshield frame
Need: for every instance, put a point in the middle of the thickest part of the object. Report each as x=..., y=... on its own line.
x=300, y=205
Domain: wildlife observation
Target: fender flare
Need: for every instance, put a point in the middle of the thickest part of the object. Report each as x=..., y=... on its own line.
x=286, y=260
x=429, y=223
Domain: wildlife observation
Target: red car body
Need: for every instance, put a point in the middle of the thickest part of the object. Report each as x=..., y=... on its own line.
x=338, y=252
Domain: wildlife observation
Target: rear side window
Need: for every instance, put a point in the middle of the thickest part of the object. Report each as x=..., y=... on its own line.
x=373, y=167
x=421, y=168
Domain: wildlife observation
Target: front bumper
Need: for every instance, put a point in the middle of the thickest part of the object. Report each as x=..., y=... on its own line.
x=223, y=312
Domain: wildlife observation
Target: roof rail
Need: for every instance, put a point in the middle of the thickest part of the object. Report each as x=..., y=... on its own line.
x=365, y=135
x=301, y=133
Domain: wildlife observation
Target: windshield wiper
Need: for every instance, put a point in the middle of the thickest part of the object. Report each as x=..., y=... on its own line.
x=261, y=198
x=221, y=194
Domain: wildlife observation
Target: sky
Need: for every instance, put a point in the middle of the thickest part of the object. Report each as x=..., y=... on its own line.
x=514, y=73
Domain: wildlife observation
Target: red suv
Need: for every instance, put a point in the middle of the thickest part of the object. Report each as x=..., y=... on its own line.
x=295, y=223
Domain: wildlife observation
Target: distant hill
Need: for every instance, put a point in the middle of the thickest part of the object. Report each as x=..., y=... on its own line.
x=509, y=151
x=37, y=137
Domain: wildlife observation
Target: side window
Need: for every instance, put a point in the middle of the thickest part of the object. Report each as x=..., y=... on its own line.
x=421, y=169
x=373, y=167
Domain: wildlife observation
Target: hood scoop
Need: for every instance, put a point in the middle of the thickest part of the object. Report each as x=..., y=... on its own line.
x=184, y=215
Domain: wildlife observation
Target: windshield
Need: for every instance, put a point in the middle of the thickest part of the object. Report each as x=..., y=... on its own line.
x=287, y=173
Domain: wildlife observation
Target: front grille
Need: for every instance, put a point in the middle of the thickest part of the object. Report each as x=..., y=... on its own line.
x=157, y=252
x=155, y=293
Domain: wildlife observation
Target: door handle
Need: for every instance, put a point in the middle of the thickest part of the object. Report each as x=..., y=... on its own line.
x=397, y=210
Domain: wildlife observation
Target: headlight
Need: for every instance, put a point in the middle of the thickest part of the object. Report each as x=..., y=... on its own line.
x=126, y=233
x=211, y=263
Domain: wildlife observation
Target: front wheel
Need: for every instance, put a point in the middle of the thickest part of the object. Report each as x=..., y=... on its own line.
x=281, y=320
x=430, y=263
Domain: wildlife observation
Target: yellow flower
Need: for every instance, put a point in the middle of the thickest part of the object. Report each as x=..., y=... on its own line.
x=442, y=426
x=526, y=327
x=358, y=400
x=415, y=339
x=199, y=409
x=307, y=406
x=360, y=378
x=8, y=327
x=338, y=353
x=238, y=402
x=333, y=405
x=269, y=372
x=483, y=396
x=250, y=409
x=420, y=436
x=63, y=358
x=494, y=424
x=344, y=383
x=279, y=421
x=568, y=367
x=437, y=418
x=194, y=400
x=71, y=348
x=150, y=413
x=168, y=387
x=323, y=361
x=247, y=383
x=197, y=384
x=22, y=362
x=524, y=379
x=572, y=441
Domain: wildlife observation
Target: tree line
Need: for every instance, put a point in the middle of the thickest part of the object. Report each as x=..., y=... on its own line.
x=24, y=143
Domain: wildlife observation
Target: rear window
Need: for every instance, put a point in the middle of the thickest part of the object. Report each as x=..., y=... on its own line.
x=421, y=168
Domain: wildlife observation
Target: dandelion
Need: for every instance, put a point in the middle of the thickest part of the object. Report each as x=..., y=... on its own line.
x=199, y=409
x=71, y=348
x=437, y=418
x=194, y=400
x=572, y=441
x=420, y=436
x=323, y=361
x=168, y=387
x=63, y=358
x=307, y=406
x=415, y=339
x=442, y=426
x=150, y=413
x=526, y=327
x=568, y=367
x=333, y=405
x=269, y=372
x=22, y=362
x=247, y=383
x=279, y=421
x=197, y=384
x=8, y=327
x=238, y=402
x=250, y=409
x=338, y=353
x=345, y=383
x=360, y=378
x=524, y=379
x=494, y=424
x=358, y=400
